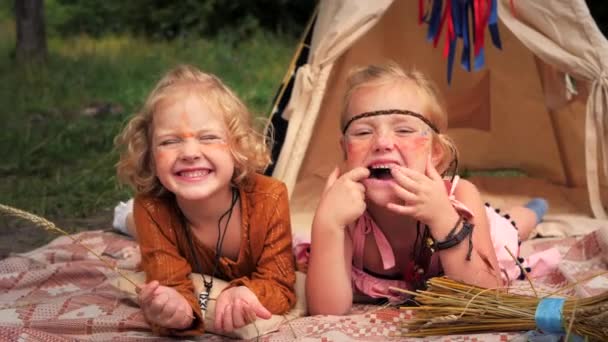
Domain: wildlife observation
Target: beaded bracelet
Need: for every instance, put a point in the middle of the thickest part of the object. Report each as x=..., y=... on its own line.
x=454, y=239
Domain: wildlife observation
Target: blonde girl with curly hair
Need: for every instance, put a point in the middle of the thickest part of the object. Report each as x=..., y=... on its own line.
x=193, y=158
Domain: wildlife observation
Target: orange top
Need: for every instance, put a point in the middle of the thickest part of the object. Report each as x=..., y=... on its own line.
x=265, y=263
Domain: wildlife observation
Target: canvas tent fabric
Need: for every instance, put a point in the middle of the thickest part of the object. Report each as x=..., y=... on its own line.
x=578, y=47
x=539, y=105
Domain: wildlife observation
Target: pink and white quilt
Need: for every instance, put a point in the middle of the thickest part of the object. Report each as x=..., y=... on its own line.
x=62, y=292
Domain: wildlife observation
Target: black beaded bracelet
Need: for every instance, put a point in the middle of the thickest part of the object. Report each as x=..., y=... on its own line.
x=454, y=239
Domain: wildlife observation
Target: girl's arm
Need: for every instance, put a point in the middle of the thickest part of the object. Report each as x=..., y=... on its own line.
x=162, y=261
x=274, y=278
x=482, y=270
x=328, y=283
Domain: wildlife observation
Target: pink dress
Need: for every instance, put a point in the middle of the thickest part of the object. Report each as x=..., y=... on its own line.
x=503, y=232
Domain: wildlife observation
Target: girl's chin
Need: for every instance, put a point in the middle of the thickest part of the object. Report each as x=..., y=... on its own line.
x=375, y=184
x=381, y=199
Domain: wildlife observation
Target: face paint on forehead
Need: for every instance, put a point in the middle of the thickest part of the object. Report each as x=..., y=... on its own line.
x=390, y=112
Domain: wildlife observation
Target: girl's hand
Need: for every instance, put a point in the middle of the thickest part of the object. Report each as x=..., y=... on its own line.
x=343, y=199
x=424, y=196
x=237, y=307
x=164, y=306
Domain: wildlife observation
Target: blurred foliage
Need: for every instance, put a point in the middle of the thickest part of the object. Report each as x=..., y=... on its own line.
x=599, y=11
x=169, y=19
x=57, y=157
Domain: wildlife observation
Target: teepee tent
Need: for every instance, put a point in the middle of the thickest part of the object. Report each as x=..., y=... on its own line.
x=539, y=105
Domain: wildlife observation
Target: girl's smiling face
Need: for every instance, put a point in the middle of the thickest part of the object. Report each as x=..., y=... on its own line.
x=383, y=141
x=190, y=146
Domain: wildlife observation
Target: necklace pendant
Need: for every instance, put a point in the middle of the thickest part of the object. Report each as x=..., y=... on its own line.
x=203, y=300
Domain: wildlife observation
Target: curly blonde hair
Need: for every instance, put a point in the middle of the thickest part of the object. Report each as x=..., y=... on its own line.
x=249, y=148
x=435, y=108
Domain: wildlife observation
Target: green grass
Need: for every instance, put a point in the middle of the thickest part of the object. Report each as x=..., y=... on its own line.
x=58, y=162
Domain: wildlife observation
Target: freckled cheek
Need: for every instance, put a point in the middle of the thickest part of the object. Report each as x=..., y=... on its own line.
x=412, y=145
x=162, y=157
x=411, y=149
x=357, y=150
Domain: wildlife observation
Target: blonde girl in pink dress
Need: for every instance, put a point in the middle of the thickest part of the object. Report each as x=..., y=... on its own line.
x=389, y=218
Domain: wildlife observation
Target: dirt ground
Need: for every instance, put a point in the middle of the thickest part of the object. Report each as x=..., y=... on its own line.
x=18, y=236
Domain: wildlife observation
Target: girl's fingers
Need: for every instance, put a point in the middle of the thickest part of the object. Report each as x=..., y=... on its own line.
x=158, y=304
x=404, y=194
x=147, y=291
x=174, y=317
x=405, y=180
x=219, y=314
x=357, y=174
x=238, y=314
x=332, y=178
x=431, y=171
x=227, y=319
x=250, y=315
x=411, y=173
x=360, y=189
x=181, y=318
x=260, y=311
x=400, y=209
x=167, y=312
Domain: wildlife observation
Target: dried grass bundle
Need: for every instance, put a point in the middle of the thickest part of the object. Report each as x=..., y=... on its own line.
x=450, y=307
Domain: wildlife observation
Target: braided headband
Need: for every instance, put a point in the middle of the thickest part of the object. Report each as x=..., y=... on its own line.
x=388, y=112
x=453, y=164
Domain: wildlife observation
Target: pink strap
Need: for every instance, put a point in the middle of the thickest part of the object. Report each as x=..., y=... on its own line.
x=453, y=186
x=459, y=206
x=364, y=225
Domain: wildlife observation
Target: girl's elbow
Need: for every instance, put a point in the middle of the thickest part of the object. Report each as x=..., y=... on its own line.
x=320, y=302
x=324, y=299
x=325, y=308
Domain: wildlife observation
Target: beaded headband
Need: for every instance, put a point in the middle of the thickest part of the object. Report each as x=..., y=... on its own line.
x=388, y=112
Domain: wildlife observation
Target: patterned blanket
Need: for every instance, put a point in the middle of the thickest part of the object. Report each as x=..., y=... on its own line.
x=63, y=292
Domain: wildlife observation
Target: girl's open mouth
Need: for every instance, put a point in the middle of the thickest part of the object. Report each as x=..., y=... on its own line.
x=380, y=173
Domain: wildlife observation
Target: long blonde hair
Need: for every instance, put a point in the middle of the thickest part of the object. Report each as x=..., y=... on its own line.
x=249, y=148
x=376, y=75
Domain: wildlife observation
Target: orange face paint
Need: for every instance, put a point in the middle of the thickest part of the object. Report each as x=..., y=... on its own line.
x=416, y=143
x=386, y=137
x=187, y=135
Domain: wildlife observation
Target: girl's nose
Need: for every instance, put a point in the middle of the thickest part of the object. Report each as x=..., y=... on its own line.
x=190, y=150
x=384, y=142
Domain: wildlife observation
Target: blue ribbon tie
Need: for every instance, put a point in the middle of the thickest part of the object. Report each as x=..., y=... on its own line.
x=548, y=315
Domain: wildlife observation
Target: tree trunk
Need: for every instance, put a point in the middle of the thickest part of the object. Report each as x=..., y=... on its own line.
x=31, y=34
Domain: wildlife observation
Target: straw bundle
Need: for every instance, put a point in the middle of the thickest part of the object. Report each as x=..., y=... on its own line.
x=449, y=307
